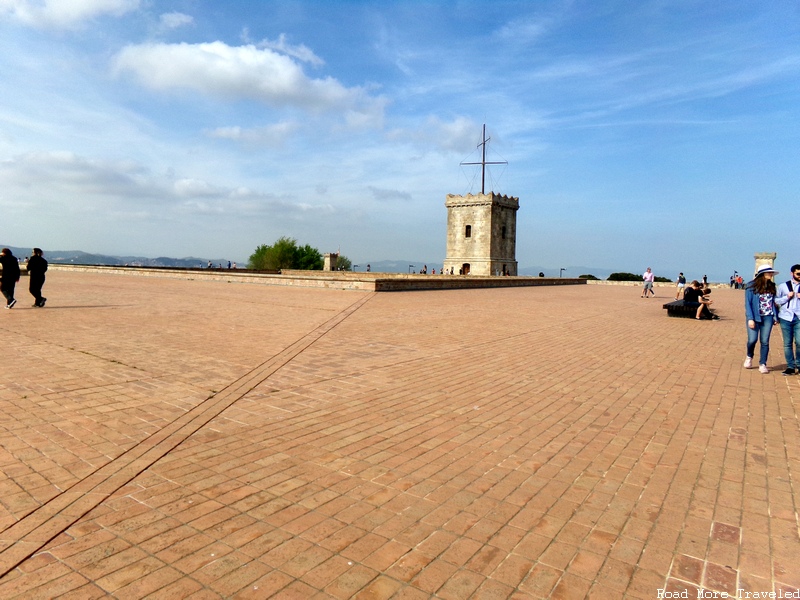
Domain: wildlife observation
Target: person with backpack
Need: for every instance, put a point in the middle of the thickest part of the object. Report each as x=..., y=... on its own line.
x=760, y=311
x=681, y=285
x=789, y=318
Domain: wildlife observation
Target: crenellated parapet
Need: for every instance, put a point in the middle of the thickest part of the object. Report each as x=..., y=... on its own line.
x=489, y=199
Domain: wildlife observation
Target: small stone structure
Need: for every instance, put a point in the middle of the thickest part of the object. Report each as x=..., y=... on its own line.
x=329, y=261
x=765, y=258
x=481, y=234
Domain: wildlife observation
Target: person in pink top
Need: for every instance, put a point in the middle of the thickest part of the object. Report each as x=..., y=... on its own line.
x=648, y=278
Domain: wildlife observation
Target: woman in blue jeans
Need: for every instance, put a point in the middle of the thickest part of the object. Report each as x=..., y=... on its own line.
x=759, y=306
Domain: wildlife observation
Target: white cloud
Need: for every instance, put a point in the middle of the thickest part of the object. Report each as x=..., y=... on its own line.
x=175, y=20
x=63, y=14
x=388, y=195
x=240, y=72
x=393, y=47
x=62, y=199
x=196, y=188
x=523, y=30
x=270, y=135
x=629, y=85
x=458, y=135
x=82, y=185
x=301, y=52
x=75, y=176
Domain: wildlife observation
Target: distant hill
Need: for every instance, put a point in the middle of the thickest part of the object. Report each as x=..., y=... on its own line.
x=85, y=258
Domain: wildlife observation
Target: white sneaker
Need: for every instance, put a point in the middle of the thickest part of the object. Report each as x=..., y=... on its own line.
x=748, y=363
x=763, y=369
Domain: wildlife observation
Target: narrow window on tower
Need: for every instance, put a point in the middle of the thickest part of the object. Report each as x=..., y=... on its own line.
x=468, y=232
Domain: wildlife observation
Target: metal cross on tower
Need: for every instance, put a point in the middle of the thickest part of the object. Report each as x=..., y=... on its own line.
x=483, y=162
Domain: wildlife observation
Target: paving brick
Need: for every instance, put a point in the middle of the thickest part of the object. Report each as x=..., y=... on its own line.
x=337, y=444
x=149, y=583
x=462, y=584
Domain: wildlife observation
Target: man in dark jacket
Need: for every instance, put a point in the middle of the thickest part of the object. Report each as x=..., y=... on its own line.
x=9, y=276
x=37, y=266
x=696, y=297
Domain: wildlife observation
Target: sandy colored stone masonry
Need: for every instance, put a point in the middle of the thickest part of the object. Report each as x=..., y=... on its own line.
x=173, y=438
x=481, y=234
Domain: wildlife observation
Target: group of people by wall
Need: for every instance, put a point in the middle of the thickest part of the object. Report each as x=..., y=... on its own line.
x=36, y=266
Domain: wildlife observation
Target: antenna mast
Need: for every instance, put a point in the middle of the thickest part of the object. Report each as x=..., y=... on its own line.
x=483, y=162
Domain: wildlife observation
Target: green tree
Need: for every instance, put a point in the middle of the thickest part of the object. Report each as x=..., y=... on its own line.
x=344, y=263
x=258, y=259
x=285, y=254
x=622, y=276
x=309, y=258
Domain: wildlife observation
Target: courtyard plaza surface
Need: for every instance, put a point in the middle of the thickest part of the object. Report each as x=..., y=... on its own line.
x=164, y=438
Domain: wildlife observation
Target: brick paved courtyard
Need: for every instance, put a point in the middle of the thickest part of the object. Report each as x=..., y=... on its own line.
x=172, y=439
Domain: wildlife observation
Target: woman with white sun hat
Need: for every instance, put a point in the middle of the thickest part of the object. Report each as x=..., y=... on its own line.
x=761, y=312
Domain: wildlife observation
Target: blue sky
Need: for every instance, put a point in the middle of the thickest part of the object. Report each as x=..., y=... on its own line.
x=649, y=133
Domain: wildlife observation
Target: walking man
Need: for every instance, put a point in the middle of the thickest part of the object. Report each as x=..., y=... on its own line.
x=37, y=266
x=9, y=276
x=648, y=279
x=789, y=318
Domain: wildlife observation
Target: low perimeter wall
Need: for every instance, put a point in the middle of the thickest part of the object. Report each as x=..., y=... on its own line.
x=340, y=280
x=657, y=284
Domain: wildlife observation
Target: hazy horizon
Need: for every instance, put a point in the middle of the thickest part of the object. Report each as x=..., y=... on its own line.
x=402, y=265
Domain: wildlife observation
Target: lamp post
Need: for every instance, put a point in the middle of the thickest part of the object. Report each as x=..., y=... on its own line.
x=561, y=271
x=409, y=269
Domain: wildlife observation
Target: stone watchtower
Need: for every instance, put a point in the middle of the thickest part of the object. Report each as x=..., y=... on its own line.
x=481, y=234
x=482, y=229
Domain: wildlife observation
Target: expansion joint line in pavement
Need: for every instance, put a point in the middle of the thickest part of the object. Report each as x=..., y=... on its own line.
x=30, y=534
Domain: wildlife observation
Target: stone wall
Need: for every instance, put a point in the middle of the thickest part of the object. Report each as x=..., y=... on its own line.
x=481, y=233
x=639, y=284
x=340, y=280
